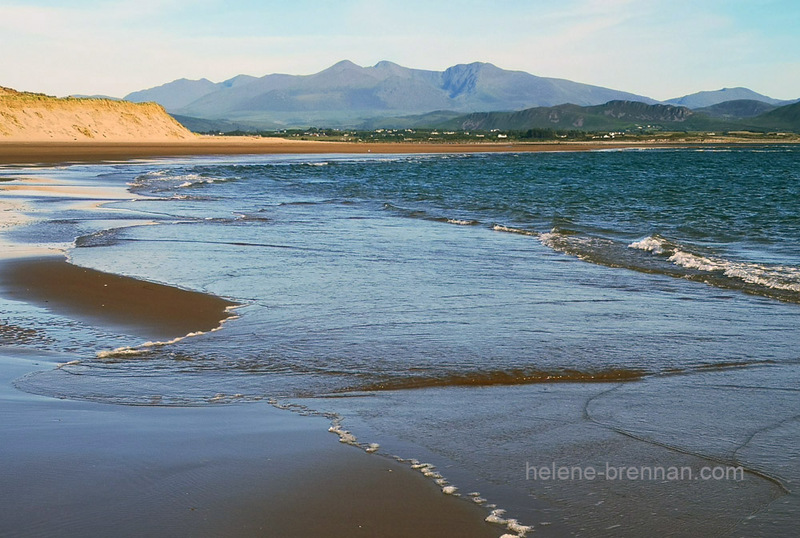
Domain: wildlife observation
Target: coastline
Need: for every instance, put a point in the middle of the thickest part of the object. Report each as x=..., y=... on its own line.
x=23, y=153
x=77, y=468
x=242, y=496
x=83, y=468
x=45, y=152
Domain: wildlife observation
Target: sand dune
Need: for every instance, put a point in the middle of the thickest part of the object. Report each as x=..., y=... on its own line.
x=30, y=117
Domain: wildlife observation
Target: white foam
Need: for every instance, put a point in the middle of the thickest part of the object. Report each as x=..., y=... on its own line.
x=511, y=524
x=429, y=471
x=194, y=179
x=476, y=498
x=221, y=397
x=141, y=348
x=549, y=239
x=572, y=245
x=693, y=261
x=496, y=516
x=776, y=277
x=515, y=526
x=156, y=175
x=120, y=351
x=344, y=436
x=508, y=229
x=654, y=244
x=167, y=177
x=781, y=277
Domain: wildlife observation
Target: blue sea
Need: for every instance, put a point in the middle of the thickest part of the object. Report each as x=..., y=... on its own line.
x=485, y=315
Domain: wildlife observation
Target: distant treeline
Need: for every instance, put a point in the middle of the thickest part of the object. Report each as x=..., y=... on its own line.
x=411, y=135
x=550, y=134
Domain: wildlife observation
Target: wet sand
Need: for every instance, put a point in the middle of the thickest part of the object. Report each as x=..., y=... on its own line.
x=143, y=308
x=80, y=469
x=77, y=468
x=53, y=152
x=31, y=153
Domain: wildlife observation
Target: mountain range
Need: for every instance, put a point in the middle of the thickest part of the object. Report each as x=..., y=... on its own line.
x=350, y=96
x=346, y=94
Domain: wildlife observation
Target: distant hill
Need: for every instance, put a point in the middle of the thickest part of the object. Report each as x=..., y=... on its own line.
x=346, y=94
x=614, y=116
x=175, y=94
x=709, y=98
x=783, y=118
x=38, y=117
x=81, y=96
x=436, y=118
x=737, y=109
x=611, y=116
x=200, y=125
x=179, y=93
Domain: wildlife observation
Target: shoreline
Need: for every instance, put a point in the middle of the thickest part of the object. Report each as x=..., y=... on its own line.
x=244, y=491
x=44, y=152
x=78, y=468
x=212, y=470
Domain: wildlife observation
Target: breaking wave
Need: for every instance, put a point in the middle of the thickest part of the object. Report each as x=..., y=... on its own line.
x=656, y=254
x=774, y=277
x=163, y=181
x=430, y=215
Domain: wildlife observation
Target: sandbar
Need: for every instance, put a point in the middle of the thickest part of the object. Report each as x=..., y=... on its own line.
x=21, y=153
x=143, y=308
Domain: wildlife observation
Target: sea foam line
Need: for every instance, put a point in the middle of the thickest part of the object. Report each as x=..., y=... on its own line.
x=508, y=229
x=428, y=470
x=141, y=348
x=511, y=524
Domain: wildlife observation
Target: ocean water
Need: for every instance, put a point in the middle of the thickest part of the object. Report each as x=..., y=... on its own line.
x=486, y=314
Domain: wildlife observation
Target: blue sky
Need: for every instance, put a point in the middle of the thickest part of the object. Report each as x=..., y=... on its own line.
x=658, y=48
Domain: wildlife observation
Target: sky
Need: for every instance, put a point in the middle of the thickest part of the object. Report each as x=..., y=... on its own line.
x=657, y=48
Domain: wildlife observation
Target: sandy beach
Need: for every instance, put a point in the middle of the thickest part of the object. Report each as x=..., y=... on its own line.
x=145, y=308
x=49, y=152
x=358, y=272
x=80, y=468
x=86, y=469
x=82, y=151
x=185, y=438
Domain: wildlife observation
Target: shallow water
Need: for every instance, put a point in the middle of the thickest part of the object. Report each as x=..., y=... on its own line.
x=488, y=311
